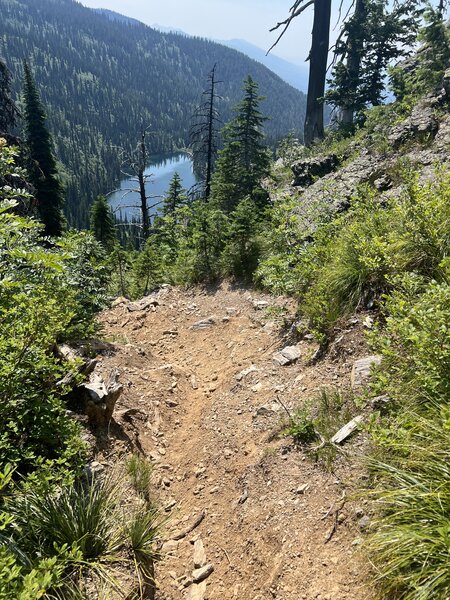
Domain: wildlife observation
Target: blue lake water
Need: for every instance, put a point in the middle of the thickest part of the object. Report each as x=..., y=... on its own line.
x=162, y=168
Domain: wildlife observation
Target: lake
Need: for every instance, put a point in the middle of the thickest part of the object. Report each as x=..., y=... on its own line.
x=162, y=168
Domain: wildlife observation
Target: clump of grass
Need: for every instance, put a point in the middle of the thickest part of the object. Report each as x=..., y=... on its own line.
x=410, y=544
x=83, y=515
x=140, y=469
x=79, y=532
x=301, y=427
x=314, y=424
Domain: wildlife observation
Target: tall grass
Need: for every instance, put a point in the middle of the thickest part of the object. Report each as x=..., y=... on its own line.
x=410, y=546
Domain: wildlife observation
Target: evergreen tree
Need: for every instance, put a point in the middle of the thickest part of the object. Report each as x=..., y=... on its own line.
x=370, y=40
x=42, y=167
x=244, y=160
x=8, y=109
x=102, y=222
x=175, y=197
x=145, y=270
x=241, y=252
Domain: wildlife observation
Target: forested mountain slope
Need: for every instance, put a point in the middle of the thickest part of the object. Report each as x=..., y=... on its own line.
x=102, y=79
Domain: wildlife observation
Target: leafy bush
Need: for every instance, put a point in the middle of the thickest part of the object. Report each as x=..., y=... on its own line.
x=350, y=261
x=35, y=308
x=47, y=292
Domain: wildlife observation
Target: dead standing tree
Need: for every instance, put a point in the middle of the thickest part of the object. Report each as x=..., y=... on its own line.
x=318, y=57
x=133, y=167
x=204, y=133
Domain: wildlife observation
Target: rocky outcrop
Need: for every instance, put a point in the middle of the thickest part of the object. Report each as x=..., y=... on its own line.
x=421, y=126
x=308, y=170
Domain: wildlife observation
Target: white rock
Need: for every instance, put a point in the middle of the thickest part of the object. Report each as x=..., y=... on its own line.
x=199, y=554
x=202, y=573
x=361, y=370
x=288, y=355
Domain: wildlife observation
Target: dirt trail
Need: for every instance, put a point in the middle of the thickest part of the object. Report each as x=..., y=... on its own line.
x=210, y=429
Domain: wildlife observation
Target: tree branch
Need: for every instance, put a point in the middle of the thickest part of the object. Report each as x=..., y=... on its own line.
x=296, y=10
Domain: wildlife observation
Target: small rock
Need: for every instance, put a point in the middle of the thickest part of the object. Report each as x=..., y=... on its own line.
x=197, y=591
x=169, y=547
x=204, y=324
x=199, y=554
x=246, y=372
x=94, y=469
x=361, y=370
x=302, y=488
x=202, y=573
x=364, y=522
x=171, y=403
x=288, y=355
x=142, y=304
x=260, y=304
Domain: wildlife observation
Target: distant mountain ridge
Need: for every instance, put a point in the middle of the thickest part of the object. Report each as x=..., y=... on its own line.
x=295, y=75
x=115, y=16
x=102, y=80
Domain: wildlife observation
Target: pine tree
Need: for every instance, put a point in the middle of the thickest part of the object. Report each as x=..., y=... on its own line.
x=42, y=167
x=8, y=109
x=369, y=41
x=175, y=197
x=244, y=160
x=102, y=222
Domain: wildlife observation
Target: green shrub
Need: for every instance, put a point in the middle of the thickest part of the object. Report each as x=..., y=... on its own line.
x=301, y=426
x=35, y=308
x=415, y=342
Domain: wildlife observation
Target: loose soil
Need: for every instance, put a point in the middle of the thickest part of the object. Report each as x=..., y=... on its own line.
x=274, y=525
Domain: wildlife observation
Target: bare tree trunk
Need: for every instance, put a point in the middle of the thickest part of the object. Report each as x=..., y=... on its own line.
x=354, y=55
x=210, y=146
x=317, y=71
x=142, y=194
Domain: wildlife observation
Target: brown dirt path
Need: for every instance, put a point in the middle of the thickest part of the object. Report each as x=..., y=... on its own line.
x=210, y=435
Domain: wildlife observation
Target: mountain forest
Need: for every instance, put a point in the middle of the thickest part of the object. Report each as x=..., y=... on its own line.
x=102, y=80
x=242, y=391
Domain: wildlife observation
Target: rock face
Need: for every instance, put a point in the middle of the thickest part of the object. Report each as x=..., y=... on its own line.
x=422, y=126
x=361, y=370
x=306, y=171
x=286, y=356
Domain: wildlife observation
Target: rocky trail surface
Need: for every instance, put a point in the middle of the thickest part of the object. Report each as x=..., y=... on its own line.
x=249, y=516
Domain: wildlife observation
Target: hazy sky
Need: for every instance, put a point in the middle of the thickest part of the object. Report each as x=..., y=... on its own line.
x=222, y=19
